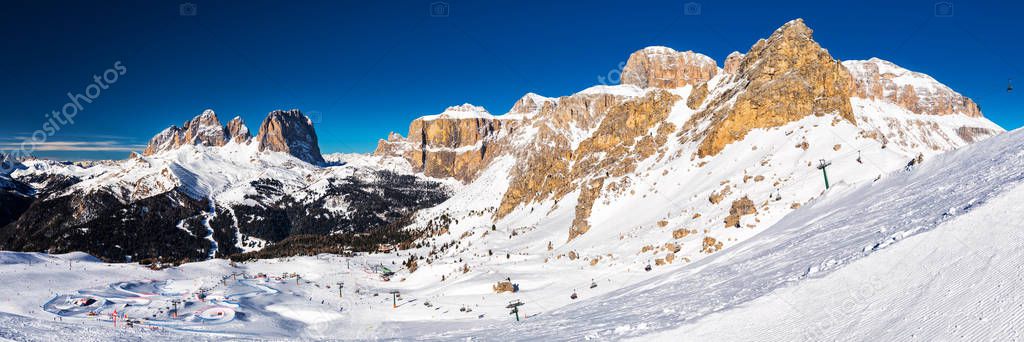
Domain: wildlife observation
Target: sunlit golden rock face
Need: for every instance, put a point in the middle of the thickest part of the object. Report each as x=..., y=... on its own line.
x=584, y=149
x=780, y=80
x=453, y=144
x=662, y=67
x=616, y=146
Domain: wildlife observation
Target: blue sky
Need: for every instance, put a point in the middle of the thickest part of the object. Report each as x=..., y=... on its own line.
x=369, y=67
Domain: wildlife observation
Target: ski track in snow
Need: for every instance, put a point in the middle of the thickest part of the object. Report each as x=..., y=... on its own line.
x=958, y=282
x=206, y=222
x=845, y=225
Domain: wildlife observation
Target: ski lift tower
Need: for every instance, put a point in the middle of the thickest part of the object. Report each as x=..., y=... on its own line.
x=341, y=285
x=174, y=303
x=394, y=299
x=514, y=305
x=821, y=166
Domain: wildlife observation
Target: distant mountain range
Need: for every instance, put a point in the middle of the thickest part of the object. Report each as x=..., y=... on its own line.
x=680, y=160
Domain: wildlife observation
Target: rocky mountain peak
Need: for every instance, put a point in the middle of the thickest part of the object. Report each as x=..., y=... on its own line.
x=530, y=103
x=463, y=111
x=455, y=143
x=166, y=140
x=663, y=67
x=290, y=132
x=237, y=131
x=916, y=92
x=205, y=130
x=781, y=79
x=732, y=62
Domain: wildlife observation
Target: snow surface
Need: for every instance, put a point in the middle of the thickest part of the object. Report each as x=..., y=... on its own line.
x=464, y=111
x=775, y=250
x=847, y=224
x=880, y=259
x=627, y=90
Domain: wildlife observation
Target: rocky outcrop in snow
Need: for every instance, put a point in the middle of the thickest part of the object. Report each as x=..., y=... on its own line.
x=290, y=132
x=914, y=91
x=531, y=103
x=663, y=67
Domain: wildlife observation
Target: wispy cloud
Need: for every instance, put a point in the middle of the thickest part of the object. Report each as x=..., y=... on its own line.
x=73, y=144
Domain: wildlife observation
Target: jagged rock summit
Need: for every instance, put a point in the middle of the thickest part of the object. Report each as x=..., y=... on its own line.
x=237, y=131
x=282, y=131
x=780, y=80
x=290, y=132
x=778, y=108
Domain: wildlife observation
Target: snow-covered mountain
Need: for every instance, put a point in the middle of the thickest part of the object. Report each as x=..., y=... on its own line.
x=931, y=252
x=881, y=259
x=683, y=167
x=206, y=190
x=607, y=182
x=615, y=212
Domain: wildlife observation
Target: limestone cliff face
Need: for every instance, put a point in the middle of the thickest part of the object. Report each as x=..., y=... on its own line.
x=598, y=145
x=620, y=140
x=455, y=143
x=781, y=79
x=544, y=161
x=915, y=92
x=662, y=67
x=290, y=132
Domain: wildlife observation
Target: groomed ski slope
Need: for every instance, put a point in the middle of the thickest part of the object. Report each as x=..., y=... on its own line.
x=845, y=225
x=959, y=283
x=805, y=278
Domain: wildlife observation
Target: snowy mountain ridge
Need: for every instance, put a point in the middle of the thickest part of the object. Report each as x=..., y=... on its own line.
x=605, y=183
x=216, y=193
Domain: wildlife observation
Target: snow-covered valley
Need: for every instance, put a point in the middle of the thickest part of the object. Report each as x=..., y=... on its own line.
x=882, y=258
x=786, y=195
